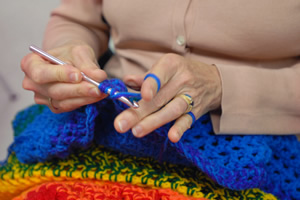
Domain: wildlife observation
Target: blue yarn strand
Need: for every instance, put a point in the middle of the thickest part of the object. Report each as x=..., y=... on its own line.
x=126, y=94
x=106, y=85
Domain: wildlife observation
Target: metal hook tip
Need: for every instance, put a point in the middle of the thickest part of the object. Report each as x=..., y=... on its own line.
x=135, y=104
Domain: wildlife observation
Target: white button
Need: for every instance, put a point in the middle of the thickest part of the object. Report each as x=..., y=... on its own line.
x=180, y=40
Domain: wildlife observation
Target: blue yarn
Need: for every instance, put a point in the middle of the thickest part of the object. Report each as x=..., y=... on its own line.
x=117, y=93
x=270, y=163
x=126, y=94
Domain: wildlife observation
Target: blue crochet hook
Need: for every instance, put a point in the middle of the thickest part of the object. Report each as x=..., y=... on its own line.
x=51, y=58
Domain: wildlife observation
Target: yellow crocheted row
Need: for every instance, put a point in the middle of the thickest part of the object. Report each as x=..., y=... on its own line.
x=98, y=163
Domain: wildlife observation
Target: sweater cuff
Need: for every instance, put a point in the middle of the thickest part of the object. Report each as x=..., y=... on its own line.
x=254, y=101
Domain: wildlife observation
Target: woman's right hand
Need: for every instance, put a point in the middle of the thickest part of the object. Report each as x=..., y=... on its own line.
x=62, y=87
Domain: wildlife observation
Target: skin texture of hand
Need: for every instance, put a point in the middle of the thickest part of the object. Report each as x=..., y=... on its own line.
x=63, y=84
x=178, y=75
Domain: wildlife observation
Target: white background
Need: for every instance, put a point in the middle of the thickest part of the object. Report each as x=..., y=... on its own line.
x=22, y=23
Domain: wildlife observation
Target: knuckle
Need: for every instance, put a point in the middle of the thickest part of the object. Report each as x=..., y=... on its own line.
x=158, y=101
x=177, y=110
x=172, y=59
x=79, y=91
x=66, y=105
x=63, y=106
x=82, y=49
x=36, y=75
x=59, y=73
x=136, y=116
x=186, y=79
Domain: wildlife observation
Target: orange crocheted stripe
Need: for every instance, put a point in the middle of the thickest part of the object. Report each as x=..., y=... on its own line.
x=98, y=190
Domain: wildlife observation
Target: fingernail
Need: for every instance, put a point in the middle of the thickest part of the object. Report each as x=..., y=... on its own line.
x=137, y=131
x=123, y=125
x=74, y=77
x=94, y=92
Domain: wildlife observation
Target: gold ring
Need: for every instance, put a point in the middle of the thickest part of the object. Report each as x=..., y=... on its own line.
x=50, y=103
x=188, y=99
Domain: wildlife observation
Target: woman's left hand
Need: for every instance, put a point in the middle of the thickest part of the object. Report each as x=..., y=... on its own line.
x=177, y=75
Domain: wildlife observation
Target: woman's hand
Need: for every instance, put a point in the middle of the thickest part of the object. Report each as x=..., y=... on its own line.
x=61, y=87
x=178, y=75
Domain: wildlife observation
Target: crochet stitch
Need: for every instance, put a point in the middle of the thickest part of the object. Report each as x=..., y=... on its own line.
x=99, y=163
x=95, y=190
x=270, y=163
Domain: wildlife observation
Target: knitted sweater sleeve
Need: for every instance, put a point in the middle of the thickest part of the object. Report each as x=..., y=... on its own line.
x=259, y=100
x=77, y=20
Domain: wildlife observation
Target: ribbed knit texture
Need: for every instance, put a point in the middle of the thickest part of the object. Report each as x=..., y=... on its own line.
x=101, y=164
x=270, y=163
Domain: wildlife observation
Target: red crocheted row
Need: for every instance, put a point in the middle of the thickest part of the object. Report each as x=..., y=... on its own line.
x=98, y=190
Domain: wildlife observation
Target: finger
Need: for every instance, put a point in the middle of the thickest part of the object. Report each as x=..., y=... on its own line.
x=83, y=58
x=164, y=70
x=64, y=105
x=181, y=125
x=72, y=104
x=43, y=100
x=28, y=84
x=170, y=112
x=40, y=99
x=42, y=72
x=130, y=117
x=60, y=91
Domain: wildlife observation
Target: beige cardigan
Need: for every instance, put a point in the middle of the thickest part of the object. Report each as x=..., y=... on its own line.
x=255, y=45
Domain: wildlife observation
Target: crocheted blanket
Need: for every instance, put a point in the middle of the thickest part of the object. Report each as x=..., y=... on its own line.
x=120, y=174
x=270, y=163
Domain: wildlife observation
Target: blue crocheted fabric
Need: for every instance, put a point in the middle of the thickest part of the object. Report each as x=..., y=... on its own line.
x=270, y=163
